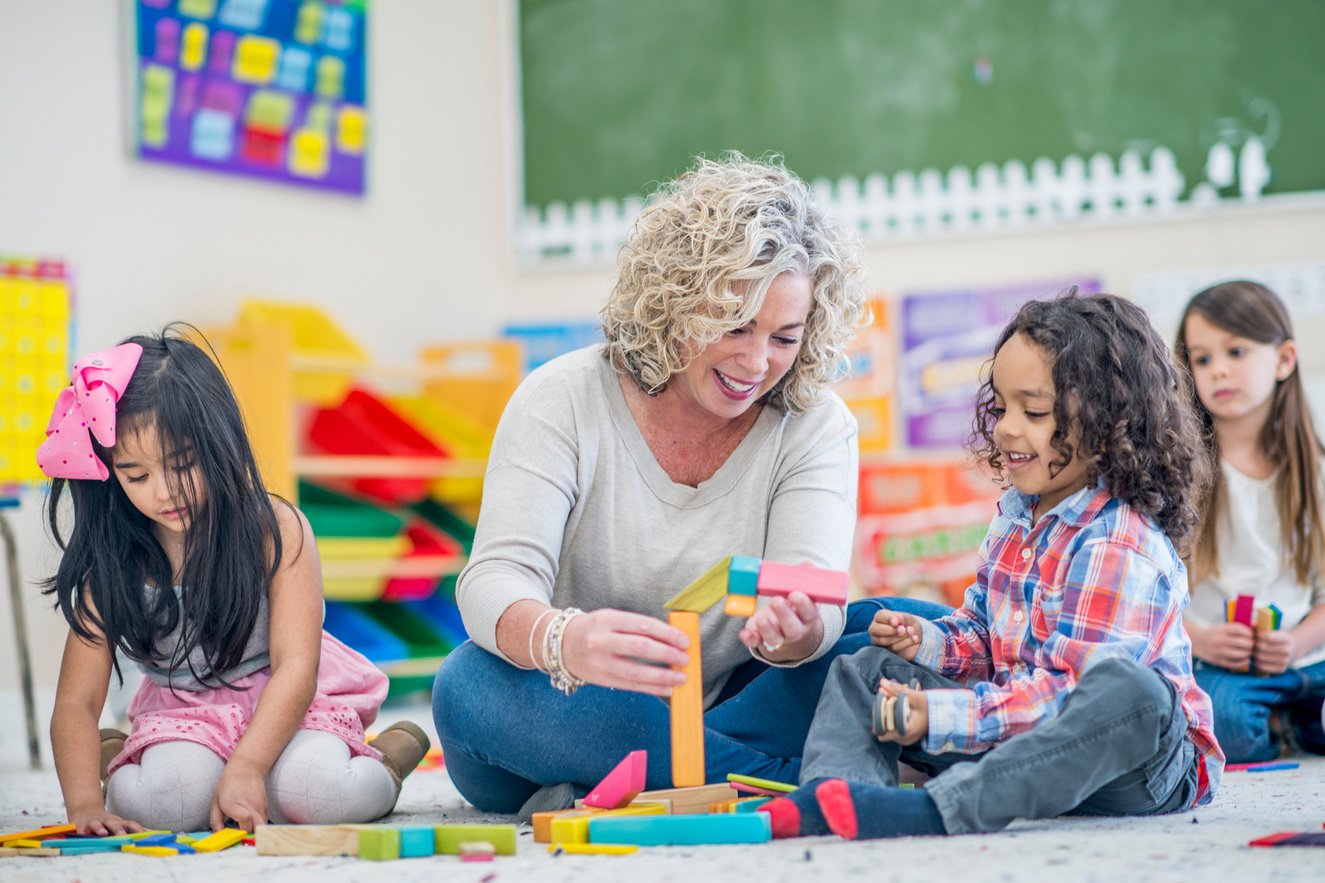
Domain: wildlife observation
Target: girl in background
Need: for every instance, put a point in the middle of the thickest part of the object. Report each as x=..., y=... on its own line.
x=1261, y=530
x=180, y=559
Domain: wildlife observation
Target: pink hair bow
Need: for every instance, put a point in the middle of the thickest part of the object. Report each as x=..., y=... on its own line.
x=87, y=409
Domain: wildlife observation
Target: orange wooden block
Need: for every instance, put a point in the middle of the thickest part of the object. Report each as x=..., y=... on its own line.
x=688, y=708
x=38, y=834
x=743, y=606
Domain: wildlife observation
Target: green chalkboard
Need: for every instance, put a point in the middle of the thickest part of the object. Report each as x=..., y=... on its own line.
x=619, y=94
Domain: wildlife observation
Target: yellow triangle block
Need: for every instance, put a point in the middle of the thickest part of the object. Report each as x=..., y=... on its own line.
x=704, y=592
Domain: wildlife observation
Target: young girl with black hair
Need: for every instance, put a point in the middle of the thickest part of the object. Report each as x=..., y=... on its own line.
x=1262, y=529
x=180, y=560
x=1064, y=683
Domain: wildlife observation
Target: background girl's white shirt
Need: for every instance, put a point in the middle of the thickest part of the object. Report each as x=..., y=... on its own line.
x=1256, y=563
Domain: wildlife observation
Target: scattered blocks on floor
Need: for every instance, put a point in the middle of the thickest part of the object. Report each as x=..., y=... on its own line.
x=449, y=837
x=307, y=840
x=37, y=834
x=222, y=839
x=477, y=851
x=622, y=784
x=593, y=848
x=379, y=844
x=688, y=830
x=575, y=829
x=417, y=841
x=542, y=821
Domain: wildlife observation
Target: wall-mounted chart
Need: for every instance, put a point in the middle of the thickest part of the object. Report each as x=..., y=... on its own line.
x=272, y=89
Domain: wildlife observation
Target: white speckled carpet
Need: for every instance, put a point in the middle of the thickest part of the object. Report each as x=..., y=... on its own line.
x=1208, y=845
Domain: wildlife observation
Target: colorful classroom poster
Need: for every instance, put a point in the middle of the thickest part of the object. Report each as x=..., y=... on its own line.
x=271, y=89
x=947, y=337
x=871, y=382
x=35, y=303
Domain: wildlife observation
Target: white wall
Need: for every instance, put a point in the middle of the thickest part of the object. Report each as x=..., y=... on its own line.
x=425, y=256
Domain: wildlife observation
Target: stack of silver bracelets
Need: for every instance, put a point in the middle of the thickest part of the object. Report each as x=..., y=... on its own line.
x=554, y=664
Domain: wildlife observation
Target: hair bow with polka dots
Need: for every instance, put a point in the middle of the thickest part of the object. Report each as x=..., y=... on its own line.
x=86, y=409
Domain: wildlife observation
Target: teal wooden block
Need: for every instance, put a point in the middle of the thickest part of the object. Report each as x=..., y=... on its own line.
x=752, y=805
x=449, y=837
x=743, y=575
x=686, y=830
x=91, y=847
x=379, y=844
x=416, y=841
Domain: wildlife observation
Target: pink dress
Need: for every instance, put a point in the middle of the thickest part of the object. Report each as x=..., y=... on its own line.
x=350, y=689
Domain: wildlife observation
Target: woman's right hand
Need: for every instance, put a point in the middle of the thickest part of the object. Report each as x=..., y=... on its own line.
x=626, y=651
x=1228, y=645
x=97, y=821
x=898, y=632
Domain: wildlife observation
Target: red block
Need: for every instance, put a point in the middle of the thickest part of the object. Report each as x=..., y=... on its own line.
x=262, y=147
x=822, y=586
x=1244, y=610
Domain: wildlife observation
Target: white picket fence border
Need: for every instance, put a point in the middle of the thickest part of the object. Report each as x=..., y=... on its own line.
x=989, y=198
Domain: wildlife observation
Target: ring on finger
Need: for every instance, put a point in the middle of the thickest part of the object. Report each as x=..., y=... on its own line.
x=772, y=648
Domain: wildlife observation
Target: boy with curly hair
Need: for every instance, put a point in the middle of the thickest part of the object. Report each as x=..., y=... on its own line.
x=1064, y=683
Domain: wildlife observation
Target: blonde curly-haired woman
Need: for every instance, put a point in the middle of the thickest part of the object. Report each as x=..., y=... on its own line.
x=704, y=427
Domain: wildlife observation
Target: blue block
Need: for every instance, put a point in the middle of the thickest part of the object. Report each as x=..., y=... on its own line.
x=166, y=838
x=743, y=575
x=416, y=842
x=337, y=29
x=212, y=135
x=87, y=847
x=295, y=64
x=184, y=848
x=686, y=830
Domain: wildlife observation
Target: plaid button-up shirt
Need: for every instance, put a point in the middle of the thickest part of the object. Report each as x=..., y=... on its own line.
x=1093, y=579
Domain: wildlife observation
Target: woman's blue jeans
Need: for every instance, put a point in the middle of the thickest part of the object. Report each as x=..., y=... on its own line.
x=1243, y=703
x=505, y=732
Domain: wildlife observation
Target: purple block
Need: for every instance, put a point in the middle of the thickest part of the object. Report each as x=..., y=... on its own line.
x=167, y=40
x=223, y=47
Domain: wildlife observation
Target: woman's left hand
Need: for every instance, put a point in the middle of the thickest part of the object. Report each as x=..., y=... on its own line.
x=786, y=629
x=240, y=798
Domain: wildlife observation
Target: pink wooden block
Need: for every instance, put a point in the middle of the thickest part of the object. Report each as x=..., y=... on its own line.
x=622, y=785
x=822, y=586
x=1244, y=611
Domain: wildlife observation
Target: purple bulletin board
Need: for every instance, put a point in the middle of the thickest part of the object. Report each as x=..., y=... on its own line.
x=947, y=337
x=270, y=89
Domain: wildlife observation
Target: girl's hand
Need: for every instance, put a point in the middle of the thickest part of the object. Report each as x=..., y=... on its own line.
x=785, y=629
x=1274, y=652
x=97, y=821
x=1228, y=645
x=240, y=797
x=898, y=632
x=625, y=651
x=917, y=707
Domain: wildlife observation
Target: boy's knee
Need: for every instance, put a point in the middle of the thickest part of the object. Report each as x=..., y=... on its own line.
x=1129, y=683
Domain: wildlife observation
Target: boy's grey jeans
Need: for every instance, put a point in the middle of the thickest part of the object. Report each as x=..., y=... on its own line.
x=1118, y=747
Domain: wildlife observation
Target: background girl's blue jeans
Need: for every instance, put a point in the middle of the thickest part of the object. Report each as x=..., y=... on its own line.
x=1243, y=703
x=505, y=732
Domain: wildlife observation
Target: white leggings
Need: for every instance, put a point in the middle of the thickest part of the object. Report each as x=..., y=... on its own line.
x=314, y=781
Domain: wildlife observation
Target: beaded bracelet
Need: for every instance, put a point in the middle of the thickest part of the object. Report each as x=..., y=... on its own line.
x=561, y=677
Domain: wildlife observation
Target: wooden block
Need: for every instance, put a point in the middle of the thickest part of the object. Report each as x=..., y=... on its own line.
x=1265, y=620
x=575, y=829
x=687, y=708
x=682, y=830
x=40, y=852
x=755, y=790
x=690, y=800
x=476, y=851
x=39, y=833
x=307, y=840
x=593, y=848
x=448, y=838
x=543, y=820
x=704, y=592
x=8, y=852
x=750, y=804
x=743, y=575
x=1243, y=606
x=822, y=586
x=71, y=847
x=379, y=843
x=743, y=606
x=222, y=839
x=139, y=835
x=25, y=843
x=622, y=784
x=165, y=838
x=153, y=851
x=417, y=841
x=665, y=804
x=767, y=784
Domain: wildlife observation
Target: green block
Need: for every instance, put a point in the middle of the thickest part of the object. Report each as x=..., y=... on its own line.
x=743, y=578
x=379, y=844
x=704, y=592
x=449, y=837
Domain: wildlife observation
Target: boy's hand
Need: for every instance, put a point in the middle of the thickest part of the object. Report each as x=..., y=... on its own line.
x=1228, y=645
x=98, y=822
x=917, y=706
x=898, y=632
x=1274, y=652
x=240, y=799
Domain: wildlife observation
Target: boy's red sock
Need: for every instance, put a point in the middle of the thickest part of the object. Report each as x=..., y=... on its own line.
x=834, y=798
x=784, y=816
